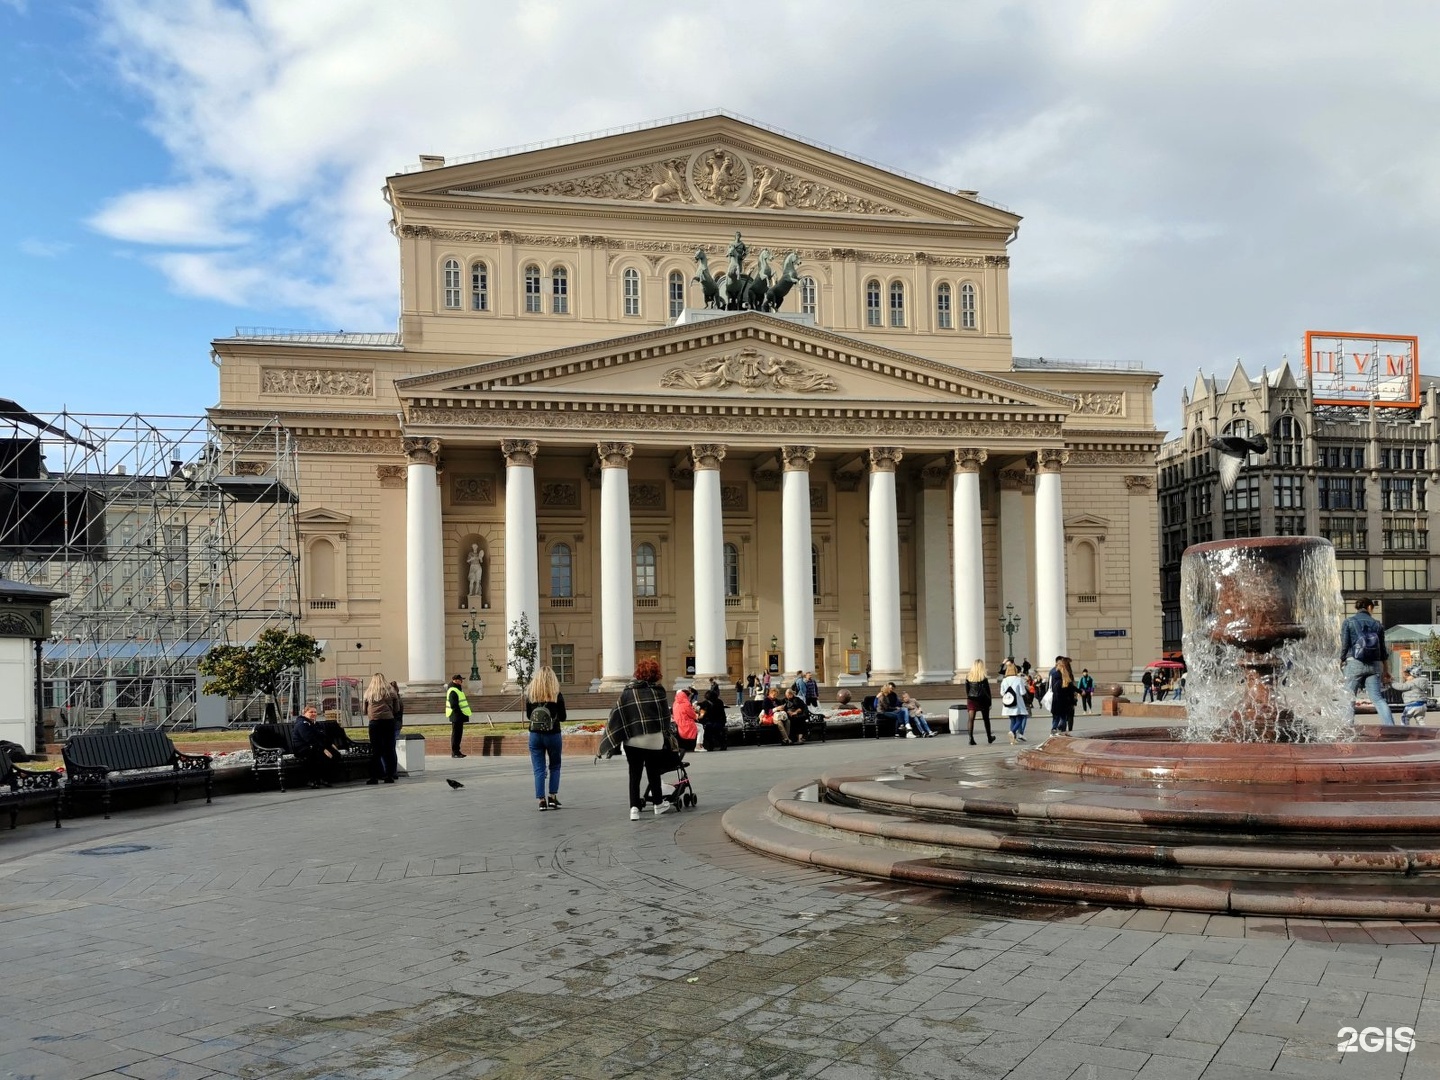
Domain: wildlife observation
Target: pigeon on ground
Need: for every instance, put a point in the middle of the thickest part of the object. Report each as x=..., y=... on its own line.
x=454, y=783
x=1234, y=449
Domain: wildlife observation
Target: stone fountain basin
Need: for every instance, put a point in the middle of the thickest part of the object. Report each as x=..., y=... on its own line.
x=1377, y=755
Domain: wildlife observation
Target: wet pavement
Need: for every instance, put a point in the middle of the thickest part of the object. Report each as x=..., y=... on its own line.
x=417, y=930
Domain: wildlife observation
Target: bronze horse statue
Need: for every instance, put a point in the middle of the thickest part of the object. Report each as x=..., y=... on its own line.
x=789, y=275
x=708, y=285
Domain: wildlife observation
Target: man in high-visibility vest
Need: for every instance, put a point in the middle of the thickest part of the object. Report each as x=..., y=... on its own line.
x=457, y=708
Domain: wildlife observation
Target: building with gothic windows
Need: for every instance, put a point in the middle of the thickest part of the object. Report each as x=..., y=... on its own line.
x=1358, y=476
x=574, y=423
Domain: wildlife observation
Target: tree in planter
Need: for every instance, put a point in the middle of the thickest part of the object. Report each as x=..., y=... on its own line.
x=524, y=650
x=1430, y=653
x=241, y=670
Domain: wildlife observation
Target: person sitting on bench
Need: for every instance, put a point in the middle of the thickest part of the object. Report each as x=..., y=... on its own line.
x=313, y=748
x=797, y=715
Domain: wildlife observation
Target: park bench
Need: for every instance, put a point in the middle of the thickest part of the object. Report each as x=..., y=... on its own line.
x=25, y=787
x=273, y=748
x=104, y=763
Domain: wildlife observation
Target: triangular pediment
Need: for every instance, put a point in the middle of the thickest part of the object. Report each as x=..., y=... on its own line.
x=715, y=162
x=1086, y=523
x=321, y=516
x=746, y=357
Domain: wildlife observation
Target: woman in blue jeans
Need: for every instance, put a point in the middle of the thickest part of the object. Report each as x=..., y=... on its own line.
x=544, y=689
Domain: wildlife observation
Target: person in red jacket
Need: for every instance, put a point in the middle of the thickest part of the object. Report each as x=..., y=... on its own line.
x=683, y=713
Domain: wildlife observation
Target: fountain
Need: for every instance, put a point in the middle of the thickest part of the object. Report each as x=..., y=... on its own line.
x=1269, y=801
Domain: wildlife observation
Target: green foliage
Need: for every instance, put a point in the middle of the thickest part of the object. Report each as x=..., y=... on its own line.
x=1430, y=653
x=241, y=670
x=525, y=648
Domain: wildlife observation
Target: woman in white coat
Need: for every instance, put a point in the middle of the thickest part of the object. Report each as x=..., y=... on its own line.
x=1012, y=701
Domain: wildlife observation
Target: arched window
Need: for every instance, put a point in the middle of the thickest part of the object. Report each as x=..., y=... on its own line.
x=479, y=287
x=645, y=570
x=452, y=284
x=942, y=307
x=631, y=281
x=1285, y=446
x=807, y=296
x=815, y=571
x=532, y=288
x=732, y=570
x=677, y=294
x=897, y=303
x=559, y=291
x=967, y=306
x=322, y=570
x=1242, y=427
x=872, y=303
x=562, y=579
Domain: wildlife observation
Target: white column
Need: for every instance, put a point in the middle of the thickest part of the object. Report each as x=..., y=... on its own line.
x=522, y=576
x=885, y=653
x=1050, y=606
x=617, y=588
x=1016, y=488
x=424, y=569
x=934, y=598
x=709, y=565
x=969, y=560
x=795, y=543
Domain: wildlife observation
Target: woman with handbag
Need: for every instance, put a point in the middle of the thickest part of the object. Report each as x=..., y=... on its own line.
x=1060, y=699
x=381, y=705
x=1012, y=701
x=545, y=711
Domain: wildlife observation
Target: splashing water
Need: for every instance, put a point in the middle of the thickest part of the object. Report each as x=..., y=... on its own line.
x=1307, y=686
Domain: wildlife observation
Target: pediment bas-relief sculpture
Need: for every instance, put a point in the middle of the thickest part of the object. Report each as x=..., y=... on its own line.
x=717, y=175
x=750, y=370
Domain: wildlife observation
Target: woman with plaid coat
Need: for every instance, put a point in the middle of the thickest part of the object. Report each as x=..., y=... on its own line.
x=640, y=722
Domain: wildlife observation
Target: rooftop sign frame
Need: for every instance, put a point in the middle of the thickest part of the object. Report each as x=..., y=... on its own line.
x=1346, y=368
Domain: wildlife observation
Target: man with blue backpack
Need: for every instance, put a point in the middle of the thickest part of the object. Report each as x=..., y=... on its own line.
x=1362, y=657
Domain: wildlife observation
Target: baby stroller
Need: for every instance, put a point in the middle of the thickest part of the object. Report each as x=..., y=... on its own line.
x=679, y=794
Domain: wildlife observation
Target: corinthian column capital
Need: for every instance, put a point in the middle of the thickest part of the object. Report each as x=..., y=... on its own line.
x=797, y=458
x=970, y=458
x=422, y=451
x=1051, y=459
x=519, y=451
x=885, y=458
x=708, y=455
x=615, y=455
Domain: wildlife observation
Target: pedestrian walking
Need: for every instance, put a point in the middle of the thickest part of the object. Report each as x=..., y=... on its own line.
x=1362, y=658
x=380, y=705
x=544, y=708
x=457, y=711
x=1086, y=687
x=640, y=725
x=977, y=699
x=1147, y=681
x=1012, y=701
x=812, y=690
x=1062, y=697
x=1415, y=693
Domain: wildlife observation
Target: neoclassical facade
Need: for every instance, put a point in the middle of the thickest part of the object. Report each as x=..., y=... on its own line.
x=863, y=479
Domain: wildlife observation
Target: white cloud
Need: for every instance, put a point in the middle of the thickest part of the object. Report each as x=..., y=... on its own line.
x=1197, y=180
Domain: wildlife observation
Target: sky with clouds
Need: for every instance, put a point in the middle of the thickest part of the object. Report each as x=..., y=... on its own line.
x=1199, y=181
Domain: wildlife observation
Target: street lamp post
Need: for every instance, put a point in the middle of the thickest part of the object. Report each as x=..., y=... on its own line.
x=473, y=633
x=1009, y=623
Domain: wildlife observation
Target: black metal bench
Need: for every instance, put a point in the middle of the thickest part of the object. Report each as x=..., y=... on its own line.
x=273, y=748
x=24, y=787
x=129, y=759
x=872, y=724
x=751, y=729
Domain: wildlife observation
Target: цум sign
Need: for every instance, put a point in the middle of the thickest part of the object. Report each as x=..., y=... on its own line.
x=1363, y=369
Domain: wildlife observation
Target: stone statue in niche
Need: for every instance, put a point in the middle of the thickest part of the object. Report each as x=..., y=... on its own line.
x=476, y=562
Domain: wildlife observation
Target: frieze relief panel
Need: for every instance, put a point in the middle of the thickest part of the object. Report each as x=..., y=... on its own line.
x=319, y=444
x=317, y=381
x=734, y=497
x=473, y=490
x=1094, y=403
x=718, y=176
x=645, y=495
x=559, y=495
x=750, y=370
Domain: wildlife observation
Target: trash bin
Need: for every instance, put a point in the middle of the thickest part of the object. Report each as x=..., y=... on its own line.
x=957, y=718
x=410, y=752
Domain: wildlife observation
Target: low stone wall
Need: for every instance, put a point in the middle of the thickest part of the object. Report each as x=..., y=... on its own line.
x=1161, y=710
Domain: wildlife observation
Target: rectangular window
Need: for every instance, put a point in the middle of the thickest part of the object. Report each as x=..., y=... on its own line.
x=1341, y=492
x=1407, y=575
x=1289, y=492
x=1202, y=532
x=1238, y=525
x=1289, y=525
x=1342, y=457
x=1406, y=534
x=1397, y=493
x=562, y=659
x=1352, y=574
x=1245, y=495
x=1346, y=533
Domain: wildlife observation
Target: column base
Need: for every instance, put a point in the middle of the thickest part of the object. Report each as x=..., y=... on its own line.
x=880, y=678
x=852, y=680
x=609, y=683
x=934, y=677
x=703, y=680
x=424, y=686
x=474, y=687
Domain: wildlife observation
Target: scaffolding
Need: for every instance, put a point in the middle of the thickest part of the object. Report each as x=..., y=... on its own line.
x=169, y=537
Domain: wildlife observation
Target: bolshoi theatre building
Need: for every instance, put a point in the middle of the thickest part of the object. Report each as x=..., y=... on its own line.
x=711, y=393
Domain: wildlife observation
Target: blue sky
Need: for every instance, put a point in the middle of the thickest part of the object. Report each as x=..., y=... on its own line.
x=1199, y=182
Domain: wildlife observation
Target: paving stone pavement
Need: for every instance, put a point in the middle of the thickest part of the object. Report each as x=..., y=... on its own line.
x=416, y=931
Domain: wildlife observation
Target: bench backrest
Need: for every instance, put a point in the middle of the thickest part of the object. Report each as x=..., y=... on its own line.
x=751, y=710
x=273, y=737
x=867, y=704
x=7, y=770
x=119, y=751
